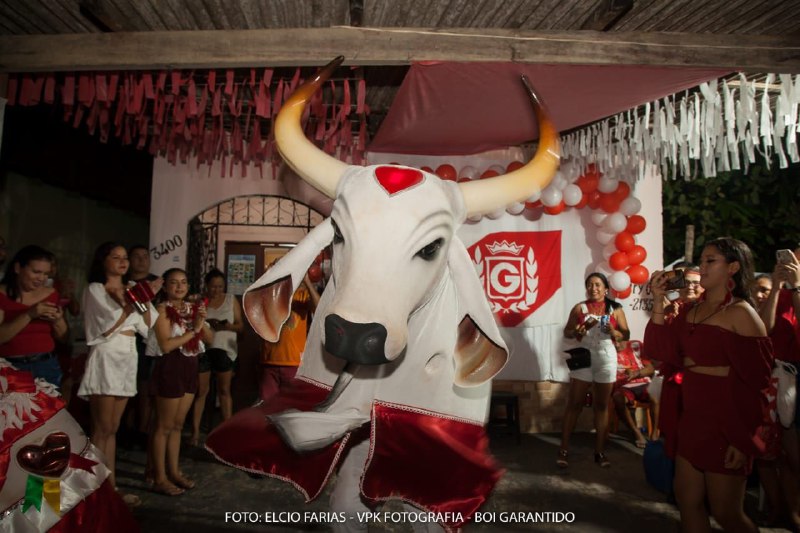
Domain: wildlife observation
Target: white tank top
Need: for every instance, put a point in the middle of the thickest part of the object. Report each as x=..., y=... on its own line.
x=224, y=340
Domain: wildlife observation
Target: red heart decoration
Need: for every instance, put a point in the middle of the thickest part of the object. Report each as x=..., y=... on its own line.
x=394, y=179
x=48, y=460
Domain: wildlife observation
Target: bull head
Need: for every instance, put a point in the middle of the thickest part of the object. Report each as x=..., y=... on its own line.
x=391, y=228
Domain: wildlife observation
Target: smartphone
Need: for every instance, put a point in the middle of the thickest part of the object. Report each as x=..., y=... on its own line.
x=784, y=257
x=675, y=279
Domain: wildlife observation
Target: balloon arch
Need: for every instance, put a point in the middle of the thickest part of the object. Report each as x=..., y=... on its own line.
x=615, y=215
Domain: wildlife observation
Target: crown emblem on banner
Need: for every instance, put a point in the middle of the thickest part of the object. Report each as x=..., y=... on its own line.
x=504, y=246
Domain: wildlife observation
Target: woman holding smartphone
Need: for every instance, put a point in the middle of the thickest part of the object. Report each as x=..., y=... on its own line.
x=597, y=322
x=111, y=324
x=30, y=319
x=182, y=333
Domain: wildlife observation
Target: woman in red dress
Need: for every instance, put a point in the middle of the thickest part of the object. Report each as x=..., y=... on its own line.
x=721, y=345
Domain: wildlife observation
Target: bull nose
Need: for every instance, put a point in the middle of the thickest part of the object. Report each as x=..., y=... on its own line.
x=359, y=343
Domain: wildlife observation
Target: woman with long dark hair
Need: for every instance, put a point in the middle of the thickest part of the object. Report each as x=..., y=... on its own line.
x=720, y=343
x=597, y=322
x=111, y=323
x=30, y=318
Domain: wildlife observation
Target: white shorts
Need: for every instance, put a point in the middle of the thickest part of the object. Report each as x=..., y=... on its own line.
x=604, y=364
x=111, y=368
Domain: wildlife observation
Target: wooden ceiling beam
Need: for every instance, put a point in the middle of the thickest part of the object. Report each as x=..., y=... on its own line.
x=391, y=46
x=606, y=14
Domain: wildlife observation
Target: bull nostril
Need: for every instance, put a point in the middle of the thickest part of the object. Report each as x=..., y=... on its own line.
x=359, y=343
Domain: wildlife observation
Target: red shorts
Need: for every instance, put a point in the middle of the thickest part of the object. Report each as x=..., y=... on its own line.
x=174, y=375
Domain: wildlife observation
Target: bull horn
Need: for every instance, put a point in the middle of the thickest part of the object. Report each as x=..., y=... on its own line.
x=309, y=162
x=485, y=196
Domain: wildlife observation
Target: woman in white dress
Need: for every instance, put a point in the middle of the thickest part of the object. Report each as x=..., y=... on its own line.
x=111, y=324
x=225, y=318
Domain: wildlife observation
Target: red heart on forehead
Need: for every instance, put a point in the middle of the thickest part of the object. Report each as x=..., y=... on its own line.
x=395, y=179
x=48, y=460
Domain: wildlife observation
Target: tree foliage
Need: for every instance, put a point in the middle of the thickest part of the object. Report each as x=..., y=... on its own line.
x=760, y=207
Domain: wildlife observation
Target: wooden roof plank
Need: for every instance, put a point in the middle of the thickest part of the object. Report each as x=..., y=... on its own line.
x=19, y=14
x=390, y=46
x=648, y=14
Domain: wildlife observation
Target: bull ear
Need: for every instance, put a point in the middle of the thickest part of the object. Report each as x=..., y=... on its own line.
x=480, y=350
x=267, y=302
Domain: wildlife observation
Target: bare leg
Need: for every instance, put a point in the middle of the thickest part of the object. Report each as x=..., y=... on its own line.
x=621, y=406
x=726, y=499
x=166, y=409
x=690, y=492
x=203, y=383
x=602, y=393
x=224, y=393
x=575, y=399
x=106, y=414
x=656, y=412
x=174, y=443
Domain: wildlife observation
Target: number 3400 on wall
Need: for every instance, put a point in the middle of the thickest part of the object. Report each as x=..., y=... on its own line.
x=170, y=245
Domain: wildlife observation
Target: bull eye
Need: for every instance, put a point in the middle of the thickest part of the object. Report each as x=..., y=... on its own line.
x=337, y=234
x=430, y=251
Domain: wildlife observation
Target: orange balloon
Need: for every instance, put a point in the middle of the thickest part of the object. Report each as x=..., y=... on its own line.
x=636, y=224
x=427, y=169
x=636, y=255
x=533, y=205
x=638, y=274
x=624, y=241
x=556, y=209
x=489, y=174
x=621, y=295
x=622, y=192
x=588, y=183
x=618, y=261
x=593, y=199
x=609, y=203
x=447, y=172
x=514, y=165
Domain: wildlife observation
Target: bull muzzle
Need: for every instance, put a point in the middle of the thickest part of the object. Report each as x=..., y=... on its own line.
x=363, y=344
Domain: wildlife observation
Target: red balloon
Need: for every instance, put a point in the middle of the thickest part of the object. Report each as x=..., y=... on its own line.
x=315, y=273
x=514, y=165
x=583, y=202
x=533, y=205
x=588, y=183
x=447, y=172
x=618, y=261
x=556, y=209
x=427, y=169
x=609, y=203
x=489, y=174
x=636, y=255
x=624, y=241
x=593, y=199
x=636, y=224
x=621, y=295
x=622, y=192
x=638, y=274
x=463, y=180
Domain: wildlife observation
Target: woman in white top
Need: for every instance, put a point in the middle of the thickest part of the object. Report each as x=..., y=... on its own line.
x=111, y=323
x=225, y=318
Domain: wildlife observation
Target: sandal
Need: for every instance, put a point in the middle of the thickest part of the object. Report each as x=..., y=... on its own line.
x=167, y=489
x=601, y=459
x=561, y=461
x=183, y=482
x=131, y=500
x=641, y=444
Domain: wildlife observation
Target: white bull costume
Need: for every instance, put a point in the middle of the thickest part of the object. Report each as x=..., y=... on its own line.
x=395, y=377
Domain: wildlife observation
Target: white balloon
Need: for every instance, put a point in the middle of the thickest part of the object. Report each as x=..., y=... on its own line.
x=598, y=217
x=494, y=215
x=559, y=182
x=630, y=206
x=603, y=237
x=615, y=222
x=572, y=194
x=534, y=197
x=619, y=280
x=607, y=184
x=469, y=172
x=609, y=250
x=551, y=196
x=500, y=169
x=516, y=208
x=604, y=268
x=474, y=218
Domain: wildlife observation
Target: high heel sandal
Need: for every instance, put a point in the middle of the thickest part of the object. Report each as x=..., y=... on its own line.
x=562, y=461
x=601, y=459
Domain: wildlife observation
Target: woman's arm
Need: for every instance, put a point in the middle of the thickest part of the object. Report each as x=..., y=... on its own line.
x=622, y=332
x=574, y=330
x=60, y=327
x=312, y=291
x=767, y=310
x=10, y=329
x=658, y=288
x=238, y=319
